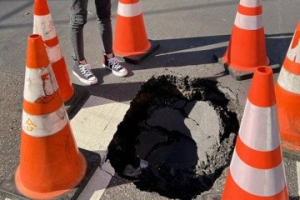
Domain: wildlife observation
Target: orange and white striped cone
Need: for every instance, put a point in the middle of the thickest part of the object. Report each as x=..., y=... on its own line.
x=50, y=162
x=288, y=98
x=256, y=170
x=130, y=41
x=247, y=47
x=44, y=26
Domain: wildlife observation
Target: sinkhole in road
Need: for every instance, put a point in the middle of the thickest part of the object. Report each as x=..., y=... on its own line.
x=177, y=136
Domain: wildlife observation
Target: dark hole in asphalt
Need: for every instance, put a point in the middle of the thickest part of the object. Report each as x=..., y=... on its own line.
x=177, y=136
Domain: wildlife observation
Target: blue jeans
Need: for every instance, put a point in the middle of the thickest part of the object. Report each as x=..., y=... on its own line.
x=78, y=18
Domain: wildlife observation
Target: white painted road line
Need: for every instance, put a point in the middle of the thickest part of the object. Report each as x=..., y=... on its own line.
x=98, y=183
x=298, y=176
x=93, y=128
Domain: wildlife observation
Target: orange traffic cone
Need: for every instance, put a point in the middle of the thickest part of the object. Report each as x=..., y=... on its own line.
x=288, y=98
x=131, y=40
x=256, y=169
x=247, y=49
x=44, y=26
x=50, y=162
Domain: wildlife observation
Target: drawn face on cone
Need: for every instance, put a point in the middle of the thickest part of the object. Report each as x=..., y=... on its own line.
x=47, y=88
x=47, y=84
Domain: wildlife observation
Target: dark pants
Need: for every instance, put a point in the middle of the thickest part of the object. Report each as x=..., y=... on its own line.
x=78, y=19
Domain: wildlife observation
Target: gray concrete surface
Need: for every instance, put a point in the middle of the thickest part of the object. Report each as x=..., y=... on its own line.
x=189, y=33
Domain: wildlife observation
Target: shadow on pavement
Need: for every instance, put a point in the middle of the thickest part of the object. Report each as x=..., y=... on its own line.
x=180, y=52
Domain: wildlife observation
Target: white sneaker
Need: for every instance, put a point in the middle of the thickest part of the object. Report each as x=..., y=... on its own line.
x=114, y=65
x=84, y=74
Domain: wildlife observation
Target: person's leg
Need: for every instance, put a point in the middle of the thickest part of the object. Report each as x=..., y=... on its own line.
x=103, y=8
x=78, y=18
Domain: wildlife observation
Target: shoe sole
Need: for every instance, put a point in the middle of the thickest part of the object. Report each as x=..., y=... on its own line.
x=85, y=81
x=115, y=73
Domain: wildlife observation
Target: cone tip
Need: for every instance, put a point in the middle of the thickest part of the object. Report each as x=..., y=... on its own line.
x=264, y=71
x=41, y=7
x=36, y=52
x=261, y=91
x=34, y=37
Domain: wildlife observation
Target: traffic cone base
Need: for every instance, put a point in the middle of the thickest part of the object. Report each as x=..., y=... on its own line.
x=242, y=74
x=136, y=59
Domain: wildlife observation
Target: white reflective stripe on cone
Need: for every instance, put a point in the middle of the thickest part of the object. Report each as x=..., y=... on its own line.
x=251, y=3
x=259, y=182
x=289, y=81
x=248, y=22
x=54, y=53
x=44, y=125
x=43, y=25
x=259, y=127
x=129, y=10
x=294, y=53
x=39, y=83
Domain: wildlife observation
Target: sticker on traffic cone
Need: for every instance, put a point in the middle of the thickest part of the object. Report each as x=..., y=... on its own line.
x=288, y=98
x=50, y=162
x=256, y=170
x=131, y=40
x=44, y=26
x=247, y=47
